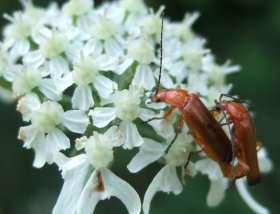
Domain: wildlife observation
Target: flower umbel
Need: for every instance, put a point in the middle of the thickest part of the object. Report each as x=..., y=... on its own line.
x=82, y=76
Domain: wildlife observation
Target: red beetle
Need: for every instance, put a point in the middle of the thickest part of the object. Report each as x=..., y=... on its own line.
x=243, y=137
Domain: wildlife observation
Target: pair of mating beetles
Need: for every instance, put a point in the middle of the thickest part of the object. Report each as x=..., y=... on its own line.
x=208, y=132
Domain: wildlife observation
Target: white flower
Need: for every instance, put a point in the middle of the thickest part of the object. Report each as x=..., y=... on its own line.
x=24, y=79
x=182, y=30
x=77, y=7
x=17, y=34
x=149, y=152
x=217, y=73
x=52, y=44
x=99, y=150
x=133, y=5
x=105, y=26
x=127, y=109
x=218, y=184
x=103, y=29
x=86, y=72
x=193, y=52
x=266, y=166
x=151, y=24
x=166, y=179
x=142, y=52
x=43, y=135
x=95, y=181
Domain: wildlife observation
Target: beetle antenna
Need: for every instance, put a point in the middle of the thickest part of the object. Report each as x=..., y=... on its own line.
x=160, y=65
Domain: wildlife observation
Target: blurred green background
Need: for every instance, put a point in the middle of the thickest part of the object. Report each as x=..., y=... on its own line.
x=247, y=32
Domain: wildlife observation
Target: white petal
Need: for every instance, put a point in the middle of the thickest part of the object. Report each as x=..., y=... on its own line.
x=243, y=191
x=150, y=151
x=73, y=51
x=27, y=104
x=176, y=69
x=209, y=167
x=93, y=47
x=56, y=141
x=82, y=98
x=123, y=66
x=232, y=69
x=63, y=82
x=33, y=59
x=6, y=95
x=144, y=77
x=107, y=63
x=265, y=163
x=167, y=181
x=89, y=196
x=36, y=140
x=12, y=71
x=20, y=48
x=132, y=138
x=216, y=192
x=39, y=34
x=59, y=138
x=76, y=121
x=115, y=136
x=115, y=186
x=146, y=114
x=40, y=148
x=29, y=135
x=154, y=105
x=74, y=172
x=113, y=48
x=58, y=66
x=69, y=164
x=48, y=88
x=163, y=128
x=105, y=101
x=102, y=116
x=84, y=23
x=166, y=80
x=104, y=86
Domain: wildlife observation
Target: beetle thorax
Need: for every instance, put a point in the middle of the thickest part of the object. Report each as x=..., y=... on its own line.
x=173, y=97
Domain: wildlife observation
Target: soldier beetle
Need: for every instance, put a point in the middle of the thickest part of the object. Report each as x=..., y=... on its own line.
x=205, y=129
x=243, y=137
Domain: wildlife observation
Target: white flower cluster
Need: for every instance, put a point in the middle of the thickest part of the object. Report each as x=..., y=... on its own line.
x=89, y=70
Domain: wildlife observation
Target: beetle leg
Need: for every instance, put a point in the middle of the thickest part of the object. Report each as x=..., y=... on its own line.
x=237, y=171
x=221, y=124
x=179, y=128
x=166, y=115
x=190, y=155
